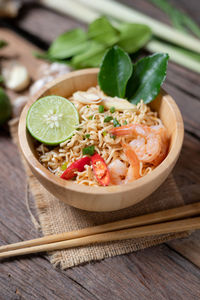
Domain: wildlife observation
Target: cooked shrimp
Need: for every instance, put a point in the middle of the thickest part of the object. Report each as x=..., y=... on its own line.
x=119, y=173
x=150, y=145
x=134, y=169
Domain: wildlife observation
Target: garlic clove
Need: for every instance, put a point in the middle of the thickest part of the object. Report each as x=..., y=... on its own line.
x=38, y=84
x=18, y=105
x=16, y=77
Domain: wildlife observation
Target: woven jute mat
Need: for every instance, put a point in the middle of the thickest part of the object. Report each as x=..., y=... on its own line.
x=57, y=217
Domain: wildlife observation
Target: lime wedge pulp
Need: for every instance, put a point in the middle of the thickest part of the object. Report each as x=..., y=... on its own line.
x=52, y=120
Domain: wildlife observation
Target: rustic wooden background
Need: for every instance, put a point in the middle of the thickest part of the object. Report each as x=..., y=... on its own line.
x=169, y=271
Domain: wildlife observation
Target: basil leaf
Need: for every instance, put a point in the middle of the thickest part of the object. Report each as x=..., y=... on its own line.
x=147, y=78
x=91, y=57
x=46, y=56
x=68, y=44
x=103, y=32
x=133, y=36
x=115, y=71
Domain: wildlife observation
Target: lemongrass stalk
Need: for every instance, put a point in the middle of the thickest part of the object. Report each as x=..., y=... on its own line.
x=174, y=55
x=87, y=15
x=72, y=8
x=128, y=14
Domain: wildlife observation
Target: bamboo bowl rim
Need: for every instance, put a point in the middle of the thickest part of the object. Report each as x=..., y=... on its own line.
x=97, y=190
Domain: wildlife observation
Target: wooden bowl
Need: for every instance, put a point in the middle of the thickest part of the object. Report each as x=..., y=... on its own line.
x=102, y=198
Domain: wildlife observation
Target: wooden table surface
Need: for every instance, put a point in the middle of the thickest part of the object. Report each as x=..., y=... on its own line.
x=169, y=271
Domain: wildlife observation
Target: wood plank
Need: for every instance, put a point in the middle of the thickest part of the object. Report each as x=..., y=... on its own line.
x=156, y=273
x=130, y=276
x=189, y=248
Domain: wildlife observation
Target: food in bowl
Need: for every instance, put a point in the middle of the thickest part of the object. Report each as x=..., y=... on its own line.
x=130, y=140
x=107, y=135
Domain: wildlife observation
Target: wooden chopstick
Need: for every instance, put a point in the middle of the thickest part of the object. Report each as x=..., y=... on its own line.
x=41, y=244
x=153, y=218
x=138, y=232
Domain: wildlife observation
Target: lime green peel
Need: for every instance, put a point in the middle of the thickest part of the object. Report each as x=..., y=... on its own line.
x=52, y=120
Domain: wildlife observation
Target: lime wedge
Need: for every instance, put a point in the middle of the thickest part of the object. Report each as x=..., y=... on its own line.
x=52, y=120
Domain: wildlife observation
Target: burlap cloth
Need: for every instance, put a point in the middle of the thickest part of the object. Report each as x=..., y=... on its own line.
x=56, y=217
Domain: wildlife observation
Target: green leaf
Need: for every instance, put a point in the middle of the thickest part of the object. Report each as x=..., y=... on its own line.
x=69, y=44
x=147, y=78
x=115, y=71
x=103, y=32
x=133, y=36
x=88, y=150
x=3, y=43
x=91, y=57
x=46, y=56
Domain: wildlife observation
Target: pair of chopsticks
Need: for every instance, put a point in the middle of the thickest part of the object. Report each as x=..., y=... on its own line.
x=162, y=222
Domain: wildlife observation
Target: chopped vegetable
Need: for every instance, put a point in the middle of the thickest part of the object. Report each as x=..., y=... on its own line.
x=89, y=150
x=125, y=122
x=113, y=136
x=116, y=123
x=108, y=119
x=100, y=169
x=101, y=108
x=112, y=109
x=87, y=136
x=64, y=166
x=90, y=117
x=104, y=133
x=78, y=165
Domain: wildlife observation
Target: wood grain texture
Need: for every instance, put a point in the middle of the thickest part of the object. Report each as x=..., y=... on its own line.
x=157, y=273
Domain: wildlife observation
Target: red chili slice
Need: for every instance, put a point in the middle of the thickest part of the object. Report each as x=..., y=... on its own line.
x=100, y=169
x=78, y=165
